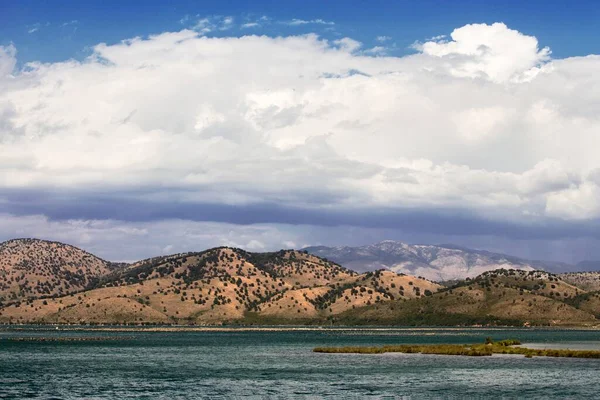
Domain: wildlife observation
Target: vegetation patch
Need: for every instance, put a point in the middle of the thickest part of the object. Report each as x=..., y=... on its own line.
x=508, y=346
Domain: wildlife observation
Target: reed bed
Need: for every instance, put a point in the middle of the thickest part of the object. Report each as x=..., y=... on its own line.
x=508, y=346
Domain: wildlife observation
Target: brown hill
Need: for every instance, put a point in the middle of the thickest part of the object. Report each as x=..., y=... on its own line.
x=584, y=280
x=507, y=297
x=538, y=282
x=356, y=291
x=220, y=285
x=32, y=268
x=47, y=282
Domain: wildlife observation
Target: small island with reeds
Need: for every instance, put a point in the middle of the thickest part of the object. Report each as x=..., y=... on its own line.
x=507, y=346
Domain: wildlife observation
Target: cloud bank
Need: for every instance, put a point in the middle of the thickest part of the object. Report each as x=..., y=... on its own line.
x=483, y=122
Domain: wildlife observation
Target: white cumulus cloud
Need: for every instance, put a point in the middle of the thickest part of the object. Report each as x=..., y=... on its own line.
x=310, y=123
x=492, y=51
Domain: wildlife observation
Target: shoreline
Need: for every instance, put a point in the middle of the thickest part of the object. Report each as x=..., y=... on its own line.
x=274, y=328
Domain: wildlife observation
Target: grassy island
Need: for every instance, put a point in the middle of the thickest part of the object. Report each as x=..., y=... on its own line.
x=508, y=346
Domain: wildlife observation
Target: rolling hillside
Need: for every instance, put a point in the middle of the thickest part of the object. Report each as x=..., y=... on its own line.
x=32, y=268
x=585, y=280
x=48, y=282
x=502, y=297
x=222, y=285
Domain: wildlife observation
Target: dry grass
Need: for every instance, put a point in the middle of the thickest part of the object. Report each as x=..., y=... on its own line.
x=31, y=268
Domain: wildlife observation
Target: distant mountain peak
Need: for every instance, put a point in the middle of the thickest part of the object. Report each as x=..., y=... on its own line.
x=434, y=262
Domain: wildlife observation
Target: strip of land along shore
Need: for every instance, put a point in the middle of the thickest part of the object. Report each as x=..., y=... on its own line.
x=509, y=346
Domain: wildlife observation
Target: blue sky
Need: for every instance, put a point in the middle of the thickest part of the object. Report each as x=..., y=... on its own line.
x=65, y=29
x=138, y=128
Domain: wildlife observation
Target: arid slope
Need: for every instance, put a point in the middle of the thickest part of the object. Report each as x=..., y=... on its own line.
x=32, y=268
x=504, y=297
x=222, y=285
x=46, y=282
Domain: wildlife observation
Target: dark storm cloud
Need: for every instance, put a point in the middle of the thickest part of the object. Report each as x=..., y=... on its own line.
x=134, y=207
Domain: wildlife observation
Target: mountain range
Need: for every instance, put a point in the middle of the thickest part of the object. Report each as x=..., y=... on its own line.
x=438, y=263
x=54, y=283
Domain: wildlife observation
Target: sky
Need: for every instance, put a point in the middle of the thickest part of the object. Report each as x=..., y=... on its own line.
x=160, y=127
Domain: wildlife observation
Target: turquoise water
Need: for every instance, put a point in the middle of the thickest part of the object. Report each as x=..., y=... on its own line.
x=243, y=364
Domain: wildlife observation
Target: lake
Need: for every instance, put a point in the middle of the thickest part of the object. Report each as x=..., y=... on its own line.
x=280, y=364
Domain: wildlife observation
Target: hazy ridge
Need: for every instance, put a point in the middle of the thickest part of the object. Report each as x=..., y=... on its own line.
x=439, y=263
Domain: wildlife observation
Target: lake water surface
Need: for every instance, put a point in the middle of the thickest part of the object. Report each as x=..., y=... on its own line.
x=281, y=364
